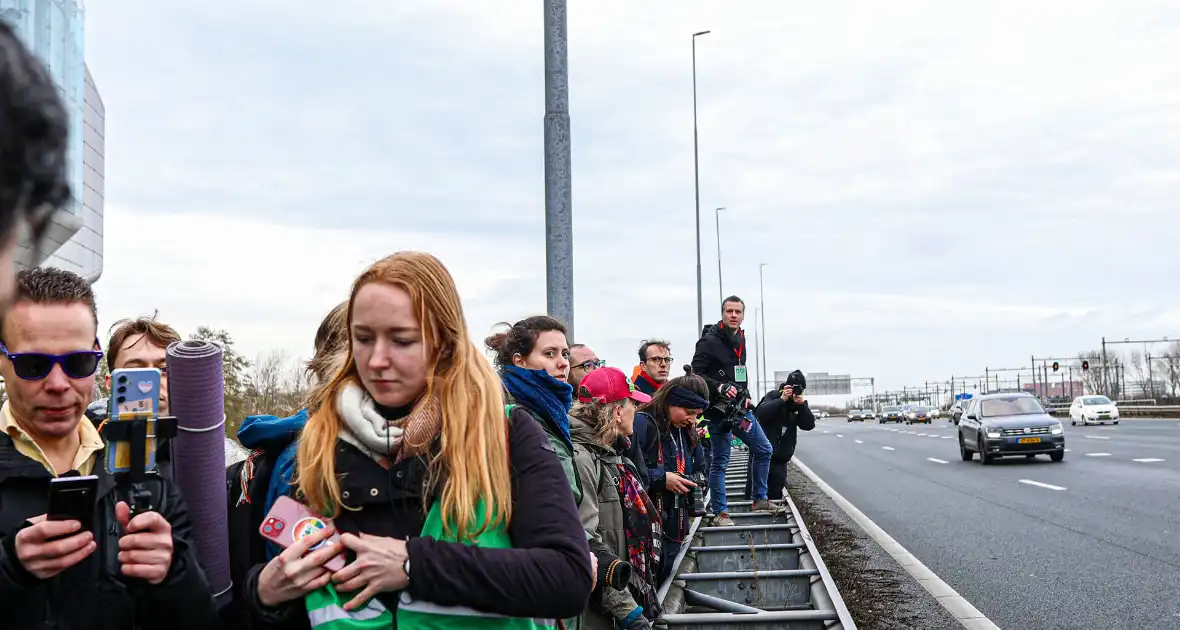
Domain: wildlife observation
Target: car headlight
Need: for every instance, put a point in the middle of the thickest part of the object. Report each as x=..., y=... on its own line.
x=994, y=433
x=1056, y=429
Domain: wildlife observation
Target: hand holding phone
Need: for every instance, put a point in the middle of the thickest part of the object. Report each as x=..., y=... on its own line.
x=290, y=522
x=46, y=548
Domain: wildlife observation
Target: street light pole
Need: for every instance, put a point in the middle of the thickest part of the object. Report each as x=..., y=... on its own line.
x=696, y=174
x=559, y=223
x=720, y=289
x=762, y=305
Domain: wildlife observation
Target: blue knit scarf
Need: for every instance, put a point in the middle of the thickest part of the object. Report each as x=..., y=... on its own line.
x=541, y=394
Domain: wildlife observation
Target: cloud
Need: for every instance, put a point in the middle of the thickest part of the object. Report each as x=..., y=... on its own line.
x=935, y=188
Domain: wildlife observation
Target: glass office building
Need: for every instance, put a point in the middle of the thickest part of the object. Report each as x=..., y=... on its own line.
x=54, y=30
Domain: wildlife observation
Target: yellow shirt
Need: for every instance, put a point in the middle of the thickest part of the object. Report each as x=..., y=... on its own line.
x=90, y=443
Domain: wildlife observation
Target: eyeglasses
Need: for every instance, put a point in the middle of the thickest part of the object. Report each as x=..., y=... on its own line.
x=34, y=366
x=661, y=360
x=590, y=366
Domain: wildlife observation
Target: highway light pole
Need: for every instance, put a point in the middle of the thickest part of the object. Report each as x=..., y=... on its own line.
x=757, y=372
x=559, y=223
x=720, y=288
x=696, y=174
x=762, y=302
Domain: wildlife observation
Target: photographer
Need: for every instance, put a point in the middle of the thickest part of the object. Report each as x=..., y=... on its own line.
x=782, y=413
x=720, y=359
x=676, y=460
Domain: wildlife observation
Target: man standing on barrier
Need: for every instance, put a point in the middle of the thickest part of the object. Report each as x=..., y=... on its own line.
x=782, y=413
x=720, y=359
x=82, y=561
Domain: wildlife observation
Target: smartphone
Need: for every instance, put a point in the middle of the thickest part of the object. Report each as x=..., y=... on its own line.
x=746, y=422
x=73, y=499
x=289, y=521
x=135, y=394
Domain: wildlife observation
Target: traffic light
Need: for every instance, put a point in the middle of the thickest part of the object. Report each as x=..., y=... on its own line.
x=1056, y=366
x=1085, y=365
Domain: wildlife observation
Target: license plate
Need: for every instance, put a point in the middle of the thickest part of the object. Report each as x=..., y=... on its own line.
x=1030, y=440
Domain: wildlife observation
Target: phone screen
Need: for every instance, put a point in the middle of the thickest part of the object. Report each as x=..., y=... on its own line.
x=73, y=498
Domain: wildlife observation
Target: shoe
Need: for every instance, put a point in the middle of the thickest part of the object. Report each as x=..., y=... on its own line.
x=722, y=520
x=764, y=505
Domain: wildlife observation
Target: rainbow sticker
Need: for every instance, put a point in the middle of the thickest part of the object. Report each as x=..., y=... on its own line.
x=306, y=527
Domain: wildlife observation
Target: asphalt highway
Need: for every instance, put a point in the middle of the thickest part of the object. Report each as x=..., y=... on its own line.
x=1091, y=542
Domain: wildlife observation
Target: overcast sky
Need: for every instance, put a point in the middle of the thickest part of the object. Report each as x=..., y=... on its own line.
x=934, y=188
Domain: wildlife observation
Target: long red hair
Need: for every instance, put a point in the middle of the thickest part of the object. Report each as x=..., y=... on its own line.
x=474, y=453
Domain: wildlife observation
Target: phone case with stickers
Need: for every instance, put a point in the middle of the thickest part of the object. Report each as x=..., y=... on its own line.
x=135, y=393
x=289, y=521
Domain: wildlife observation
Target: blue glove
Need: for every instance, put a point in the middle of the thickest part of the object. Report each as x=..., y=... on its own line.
x=636, y=621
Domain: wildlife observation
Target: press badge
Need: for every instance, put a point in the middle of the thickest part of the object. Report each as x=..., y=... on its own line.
x=739, y=373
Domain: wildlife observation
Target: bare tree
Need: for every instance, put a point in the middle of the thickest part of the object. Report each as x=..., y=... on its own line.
x=276, y=385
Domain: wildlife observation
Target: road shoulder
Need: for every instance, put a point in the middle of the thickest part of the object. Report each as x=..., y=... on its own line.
x=879, y=592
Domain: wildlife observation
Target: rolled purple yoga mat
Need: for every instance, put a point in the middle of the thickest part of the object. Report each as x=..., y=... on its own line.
x=196, y=397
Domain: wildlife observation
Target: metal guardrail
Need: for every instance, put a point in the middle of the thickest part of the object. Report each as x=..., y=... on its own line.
x=763, y=573
x=1131, y=411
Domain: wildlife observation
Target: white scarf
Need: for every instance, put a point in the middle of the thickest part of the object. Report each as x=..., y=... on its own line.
x=364, y=426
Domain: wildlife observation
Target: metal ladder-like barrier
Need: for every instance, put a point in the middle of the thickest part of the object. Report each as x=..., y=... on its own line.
x=761, y=574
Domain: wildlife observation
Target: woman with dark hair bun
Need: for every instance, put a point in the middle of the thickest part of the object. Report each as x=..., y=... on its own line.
x=533, y=357
x=673, y=413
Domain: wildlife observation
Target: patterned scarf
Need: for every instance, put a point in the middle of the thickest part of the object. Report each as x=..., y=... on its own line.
x=643, y=532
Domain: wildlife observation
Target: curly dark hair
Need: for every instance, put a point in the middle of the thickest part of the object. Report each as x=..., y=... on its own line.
x=521, y=337
x=34, y=135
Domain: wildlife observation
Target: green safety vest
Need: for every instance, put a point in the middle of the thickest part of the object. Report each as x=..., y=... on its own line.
x=325, y=607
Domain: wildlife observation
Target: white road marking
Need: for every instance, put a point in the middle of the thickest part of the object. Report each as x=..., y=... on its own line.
x=889, y=448
x=826, y=432
x=839, y=435
x=859, y=442
x=1147, y=460
x=936, y=461
x=933, y=436
x=923, y=434
x=948, y=437
x=1097, y=437
x=1067, y=450
x=1097, y=454
x=951, y=600
x=1041, y=485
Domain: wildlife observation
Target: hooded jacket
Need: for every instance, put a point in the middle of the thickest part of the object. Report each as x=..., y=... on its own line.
x=781, y=420
x=602, y=517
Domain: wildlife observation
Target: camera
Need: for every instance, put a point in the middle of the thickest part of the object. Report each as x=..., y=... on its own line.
x=699, y=507
x=612, y=572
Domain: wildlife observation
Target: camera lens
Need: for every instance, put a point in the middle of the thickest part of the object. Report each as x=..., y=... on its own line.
x=122, y=378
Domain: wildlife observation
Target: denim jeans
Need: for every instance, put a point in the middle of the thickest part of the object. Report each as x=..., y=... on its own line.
x=759, y=446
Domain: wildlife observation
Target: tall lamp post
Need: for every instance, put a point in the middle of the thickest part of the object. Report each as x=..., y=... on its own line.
x=559, y=225
x=696, y=175
x=720, y=289
x=762, y=306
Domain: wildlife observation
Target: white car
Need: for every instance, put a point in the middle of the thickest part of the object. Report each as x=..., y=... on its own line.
x=1093, y=409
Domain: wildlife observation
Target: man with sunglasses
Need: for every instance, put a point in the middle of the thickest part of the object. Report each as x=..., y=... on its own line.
x=53, y=573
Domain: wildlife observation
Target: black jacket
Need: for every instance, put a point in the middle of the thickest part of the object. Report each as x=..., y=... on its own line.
x=660, y=457
x=86, y=596
x=549, y=580
x=719, y=351
x=781, y=420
